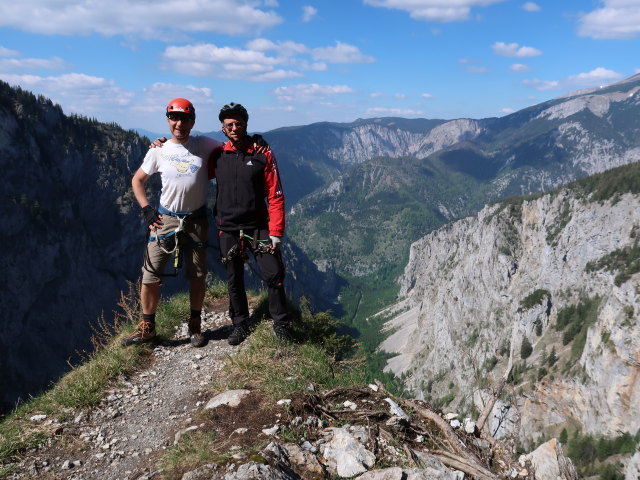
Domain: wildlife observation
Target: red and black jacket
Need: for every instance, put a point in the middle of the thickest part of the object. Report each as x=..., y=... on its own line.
x=249, y=190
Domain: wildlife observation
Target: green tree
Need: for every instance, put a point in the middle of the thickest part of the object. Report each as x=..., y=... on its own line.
x=526, y=348
x=564, y=436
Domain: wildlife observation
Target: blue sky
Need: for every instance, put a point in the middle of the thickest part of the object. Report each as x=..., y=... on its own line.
x=296, y=62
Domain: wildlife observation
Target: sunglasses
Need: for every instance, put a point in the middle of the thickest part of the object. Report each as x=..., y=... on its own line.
x=230, y=125
x=180, y=116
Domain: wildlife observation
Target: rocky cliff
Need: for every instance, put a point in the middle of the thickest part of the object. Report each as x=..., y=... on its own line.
x=71, y=235
x=550, y=282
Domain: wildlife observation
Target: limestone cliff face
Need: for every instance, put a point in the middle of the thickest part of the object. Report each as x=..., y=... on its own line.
x=71, y=236
x=474, y=290
x=369, y=140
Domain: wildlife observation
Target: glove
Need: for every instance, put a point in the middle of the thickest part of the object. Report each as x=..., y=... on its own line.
x=275, y=241
x=150, y=215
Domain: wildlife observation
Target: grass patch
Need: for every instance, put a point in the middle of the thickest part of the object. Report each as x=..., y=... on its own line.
x=85, y=385
x=194, y=448
x=284, y=370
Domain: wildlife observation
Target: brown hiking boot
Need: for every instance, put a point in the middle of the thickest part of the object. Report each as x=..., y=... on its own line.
x=195, y=334
x=144, y=332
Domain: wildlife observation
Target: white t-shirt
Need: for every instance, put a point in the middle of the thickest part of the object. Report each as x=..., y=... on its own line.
x=183, y=170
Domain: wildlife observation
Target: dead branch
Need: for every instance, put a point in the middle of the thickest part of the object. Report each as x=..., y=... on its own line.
x=489, y=406
x=459, y=463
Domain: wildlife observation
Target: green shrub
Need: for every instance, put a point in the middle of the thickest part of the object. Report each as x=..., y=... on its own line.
x=624, y=262
x=564, y=436
x=533, y=299
x=578, y=319
x=526, y=349
x=610, y=472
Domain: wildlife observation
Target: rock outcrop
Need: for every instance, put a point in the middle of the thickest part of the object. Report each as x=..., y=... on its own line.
x=549, y=282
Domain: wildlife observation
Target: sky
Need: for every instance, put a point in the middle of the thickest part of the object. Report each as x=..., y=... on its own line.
x=296, y=62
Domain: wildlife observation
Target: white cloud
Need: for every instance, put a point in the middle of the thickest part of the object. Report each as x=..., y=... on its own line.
x=376, y=94
x=433, y=10
x=595, y=78
x=341, y=53
x=519, y=68
x=308, y=12
x=393, y=111
x=139, y=19
x=514, y=50
x=507, y=110
x=426, y=95
x=286, y=49
x=400, y=96
x=76, y=92
x=616, y=19
x=5, y=52
x=22, y=64
x=314, y=67
x=531, y=7
x=155, y=97
x=261, y=61
x=309, y=92
x=543, y=85
x=208, y=60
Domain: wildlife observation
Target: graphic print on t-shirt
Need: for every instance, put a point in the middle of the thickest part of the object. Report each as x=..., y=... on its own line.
x=184, y=163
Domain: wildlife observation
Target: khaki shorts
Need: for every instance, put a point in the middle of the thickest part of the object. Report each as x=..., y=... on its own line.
x=190, y=240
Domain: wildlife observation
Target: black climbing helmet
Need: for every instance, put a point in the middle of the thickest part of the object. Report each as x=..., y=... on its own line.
x=232, y=110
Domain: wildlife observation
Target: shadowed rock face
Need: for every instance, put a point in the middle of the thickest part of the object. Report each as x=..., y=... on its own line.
x=70, y=236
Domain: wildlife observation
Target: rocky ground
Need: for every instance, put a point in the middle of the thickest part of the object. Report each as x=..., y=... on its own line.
x=135, y=423
x=168, y=407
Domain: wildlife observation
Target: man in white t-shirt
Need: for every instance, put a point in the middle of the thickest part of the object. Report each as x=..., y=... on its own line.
x=180, y=219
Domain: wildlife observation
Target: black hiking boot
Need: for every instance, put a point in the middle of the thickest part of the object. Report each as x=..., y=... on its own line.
x=144, y=332
x=197, y=338
x=282, y=332
x=239, y=334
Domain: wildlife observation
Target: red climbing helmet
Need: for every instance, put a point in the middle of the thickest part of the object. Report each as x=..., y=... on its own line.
x=181, y=105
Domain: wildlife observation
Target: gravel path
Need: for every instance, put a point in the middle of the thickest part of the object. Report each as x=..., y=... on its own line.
x=134, y=424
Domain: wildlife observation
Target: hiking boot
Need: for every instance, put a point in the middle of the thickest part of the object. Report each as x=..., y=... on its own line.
x=144, y=332
x=239, y=334
x=282, y=332
x=197, y=338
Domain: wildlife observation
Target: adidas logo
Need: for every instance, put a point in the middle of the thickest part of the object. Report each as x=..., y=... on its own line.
x=249, y=163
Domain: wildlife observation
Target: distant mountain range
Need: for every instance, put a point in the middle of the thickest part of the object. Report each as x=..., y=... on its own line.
x=367, y=189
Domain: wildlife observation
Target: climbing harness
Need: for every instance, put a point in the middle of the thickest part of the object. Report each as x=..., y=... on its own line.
x=255, y=245
x=174, y=242
x=239, y=249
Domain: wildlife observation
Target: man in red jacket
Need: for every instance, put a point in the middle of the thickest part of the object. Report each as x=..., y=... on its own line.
x=250, y=217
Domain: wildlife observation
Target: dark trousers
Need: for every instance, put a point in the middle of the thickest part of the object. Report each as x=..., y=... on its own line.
x=272, y=269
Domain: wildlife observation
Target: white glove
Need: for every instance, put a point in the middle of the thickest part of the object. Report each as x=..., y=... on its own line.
x=275, y=241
